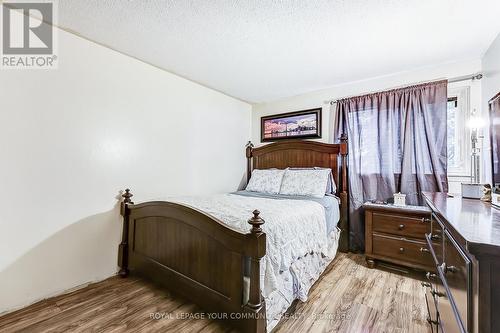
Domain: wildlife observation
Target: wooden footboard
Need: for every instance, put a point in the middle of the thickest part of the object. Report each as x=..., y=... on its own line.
x=197, y=256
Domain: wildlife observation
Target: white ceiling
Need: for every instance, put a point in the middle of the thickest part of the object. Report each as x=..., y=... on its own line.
x=263, y=50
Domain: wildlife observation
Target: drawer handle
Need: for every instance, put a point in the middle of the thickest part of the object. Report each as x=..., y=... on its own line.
x=424, y=250
x=448, y=269
x=426, y=220
x=401, y=226
x=430, y=276
x=435, y=237
x=426, y=284
x=432, y=322
x=437, y=293
x=401, y=249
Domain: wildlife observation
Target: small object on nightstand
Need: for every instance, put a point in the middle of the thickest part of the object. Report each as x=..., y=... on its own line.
x=399, y=199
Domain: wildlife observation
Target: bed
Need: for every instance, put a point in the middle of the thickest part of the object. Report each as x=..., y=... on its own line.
x=245, y=270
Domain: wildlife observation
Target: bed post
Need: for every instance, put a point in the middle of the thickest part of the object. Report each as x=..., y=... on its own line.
x=123, y=247
x=344, y=213
x=256, y=250
x=249, y=148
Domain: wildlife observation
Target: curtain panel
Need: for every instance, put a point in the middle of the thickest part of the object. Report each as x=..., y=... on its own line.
x=494, y=131
x=397, y=143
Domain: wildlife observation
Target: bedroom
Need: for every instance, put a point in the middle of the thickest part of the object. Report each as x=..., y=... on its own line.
x=163, y=98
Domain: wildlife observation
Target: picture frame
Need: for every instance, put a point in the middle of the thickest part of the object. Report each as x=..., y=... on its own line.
x=304, y=124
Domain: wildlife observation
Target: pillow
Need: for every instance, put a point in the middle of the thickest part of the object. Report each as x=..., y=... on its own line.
x=307, y=182
x=266, y=181
x=331, y=187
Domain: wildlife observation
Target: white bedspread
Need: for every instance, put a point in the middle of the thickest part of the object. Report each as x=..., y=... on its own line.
x=293, y=228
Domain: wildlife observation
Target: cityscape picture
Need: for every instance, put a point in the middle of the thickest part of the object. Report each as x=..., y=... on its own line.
x=300, y=124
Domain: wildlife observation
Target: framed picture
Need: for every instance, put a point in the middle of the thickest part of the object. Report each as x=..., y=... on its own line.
x=292, y=125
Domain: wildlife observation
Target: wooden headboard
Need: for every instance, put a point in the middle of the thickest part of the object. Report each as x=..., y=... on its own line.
x=308, y=154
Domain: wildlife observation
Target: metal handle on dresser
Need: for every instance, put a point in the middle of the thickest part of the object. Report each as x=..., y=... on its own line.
x=448, y=269
x=436, y=237
x=401, y=249
x=401, y=226
x=424, y=250
x=430, y=276
x=426, y=220
x=433, y=322
x=451, y=269
x=437, y=293
x=434, y=292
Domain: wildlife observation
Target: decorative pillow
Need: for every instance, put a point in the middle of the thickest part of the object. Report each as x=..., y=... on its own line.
x=266, y=181
x=331, y=187
x=311, y=182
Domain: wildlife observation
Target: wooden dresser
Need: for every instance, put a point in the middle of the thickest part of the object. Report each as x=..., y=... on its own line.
x=396, y=234
x=464, y=243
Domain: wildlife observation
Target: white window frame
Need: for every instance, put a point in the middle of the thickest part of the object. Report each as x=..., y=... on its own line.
x=463, y=131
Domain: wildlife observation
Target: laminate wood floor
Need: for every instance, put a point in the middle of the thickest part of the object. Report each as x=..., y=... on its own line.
x=348, y=298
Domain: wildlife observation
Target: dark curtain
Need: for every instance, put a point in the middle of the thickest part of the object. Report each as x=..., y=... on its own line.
x=494, y=108
x=397, y=143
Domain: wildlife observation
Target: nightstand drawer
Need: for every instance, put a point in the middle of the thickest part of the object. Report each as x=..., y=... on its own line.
x=401, y=249
x=408, y=226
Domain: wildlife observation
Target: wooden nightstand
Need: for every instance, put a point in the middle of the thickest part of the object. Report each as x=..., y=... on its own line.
x=396, y=234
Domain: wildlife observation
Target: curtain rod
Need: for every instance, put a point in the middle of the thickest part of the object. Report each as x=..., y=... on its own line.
x=476, y=76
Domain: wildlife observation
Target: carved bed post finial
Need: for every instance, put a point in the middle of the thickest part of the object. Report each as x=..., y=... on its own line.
x=127, y=195
x=249, y=148
x=123, y=247
x=343, y=137
x=256, y=221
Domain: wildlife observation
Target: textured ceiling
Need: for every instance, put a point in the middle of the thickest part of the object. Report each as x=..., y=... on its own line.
x=263, y=50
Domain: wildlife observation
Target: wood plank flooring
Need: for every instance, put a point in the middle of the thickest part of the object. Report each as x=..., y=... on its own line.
x=348, y=298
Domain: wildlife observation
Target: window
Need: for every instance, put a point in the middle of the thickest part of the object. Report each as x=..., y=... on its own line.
x=458, y=139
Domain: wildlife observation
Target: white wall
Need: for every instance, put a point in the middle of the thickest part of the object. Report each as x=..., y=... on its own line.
x=490, y=87
x=72, y=138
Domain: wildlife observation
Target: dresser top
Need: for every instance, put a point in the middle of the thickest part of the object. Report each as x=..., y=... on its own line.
x=477, y=222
